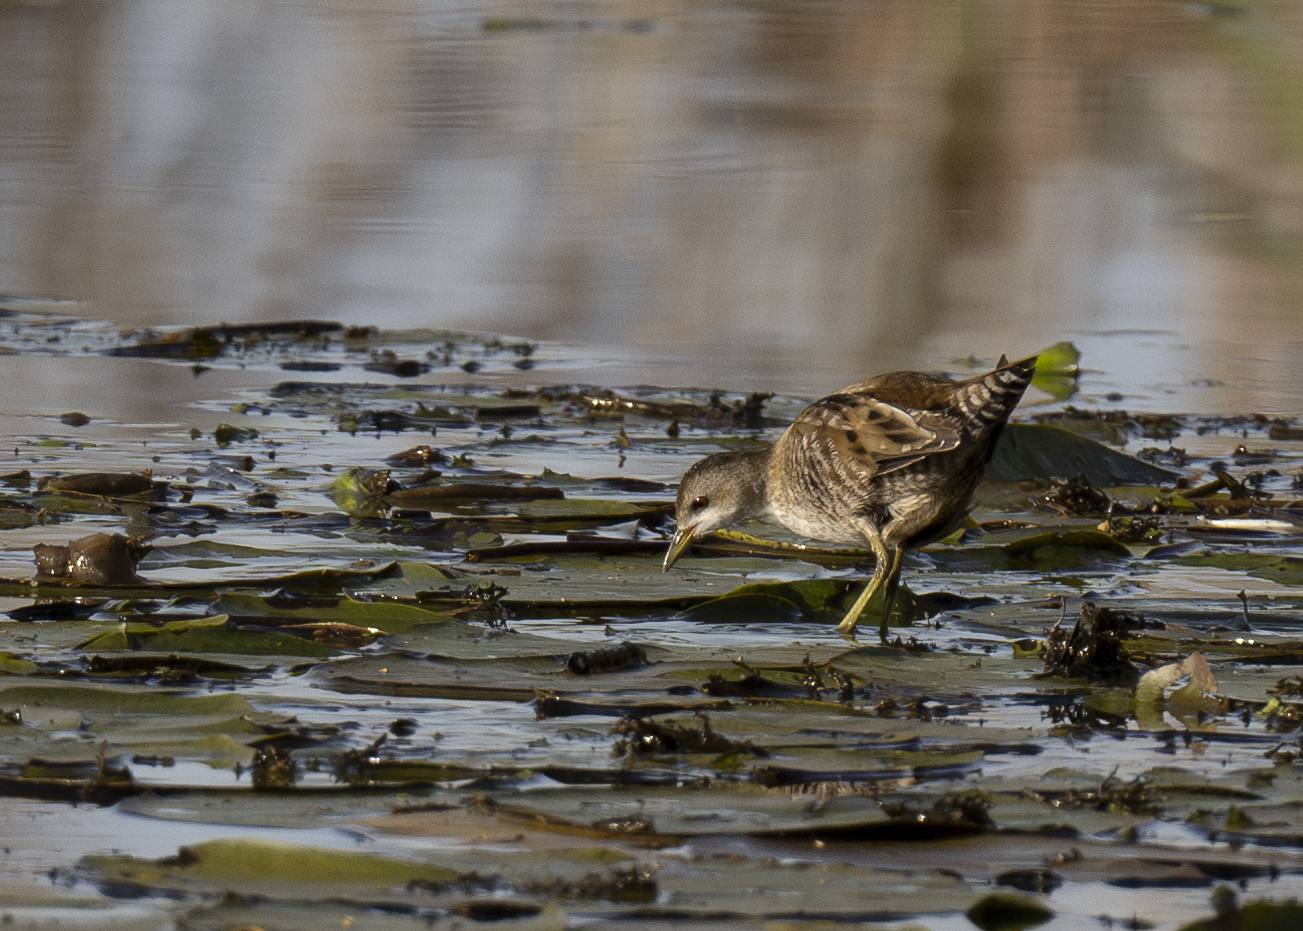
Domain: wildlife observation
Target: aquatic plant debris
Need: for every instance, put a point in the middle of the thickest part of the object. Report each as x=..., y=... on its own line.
x=95, y=559
x=1093, y=646
x=421, y=605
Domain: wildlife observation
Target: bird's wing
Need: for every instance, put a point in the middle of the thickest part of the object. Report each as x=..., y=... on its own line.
x=872, y=436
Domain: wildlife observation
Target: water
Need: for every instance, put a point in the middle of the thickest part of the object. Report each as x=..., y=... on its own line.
x=790, y=196
x=750, y=196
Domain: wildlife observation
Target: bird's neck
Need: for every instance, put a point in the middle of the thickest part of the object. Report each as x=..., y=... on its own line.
x=749, y=470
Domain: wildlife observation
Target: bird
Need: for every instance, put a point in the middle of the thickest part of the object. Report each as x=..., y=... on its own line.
x=892, y=462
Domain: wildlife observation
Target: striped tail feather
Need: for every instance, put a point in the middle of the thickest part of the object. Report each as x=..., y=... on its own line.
x=992, y=397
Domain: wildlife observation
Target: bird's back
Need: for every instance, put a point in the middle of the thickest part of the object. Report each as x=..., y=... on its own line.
x=904, y=451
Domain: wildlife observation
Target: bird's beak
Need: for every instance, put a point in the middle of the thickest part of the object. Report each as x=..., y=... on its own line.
x=678, y=545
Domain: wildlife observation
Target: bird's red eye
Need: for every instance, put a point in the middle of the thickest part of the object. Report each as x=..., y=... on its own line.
x=700, y=503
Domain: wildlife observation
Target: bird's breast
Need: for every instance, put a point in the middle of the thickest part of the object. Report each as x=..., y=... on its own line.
x=818, y=524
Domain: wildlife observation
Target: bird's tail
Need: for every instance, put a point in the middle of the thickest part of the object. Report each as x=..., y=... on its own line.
x=993, y=396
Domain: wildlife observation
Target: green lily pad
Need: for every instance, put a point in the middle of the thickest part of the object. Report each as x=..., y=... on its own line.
x=389, y=616
x=252, y=865
x=43, y=699
x=1003, y=912
x=13, y=665
x=792, y=601
x=210, y=635
x=1057, y=370
x=1037, y=451
x=1255, y=916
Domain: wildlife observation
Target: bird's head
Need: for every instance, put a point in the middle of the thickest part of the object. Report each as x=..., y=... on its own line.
x=718, y=491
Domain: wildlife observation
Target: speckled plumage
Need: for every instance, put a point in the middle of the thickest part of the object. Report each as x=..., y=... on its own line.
x=892, y=462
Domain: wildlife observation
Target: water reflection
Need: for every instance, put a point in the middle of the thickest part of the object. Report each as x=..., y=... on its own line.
x=799, y=192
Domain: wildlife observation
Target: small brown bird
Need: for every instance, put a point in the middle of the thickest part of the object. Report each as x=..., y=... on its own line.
x=892, y=462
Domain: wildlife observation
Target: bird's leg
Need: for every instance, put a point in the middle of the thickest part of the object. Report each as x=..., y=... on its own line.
x=892, y=583
x=883, y=561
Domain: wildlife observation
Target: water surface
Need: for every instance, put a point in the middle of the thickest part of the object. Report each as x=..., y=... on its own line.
x=790, y=194
x=748, y=196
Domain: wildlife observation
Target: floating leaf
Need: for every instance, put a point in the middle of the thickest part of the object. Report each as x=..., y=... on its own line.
x=1084, y=539
x=104, y=484
x=16, y=665
x=793, y=601
x=285, y=607
x=1253, y=916
x=1037, y=451
x=226, y=434
x=739, y=543
x=1056, y=371
x=437, y=497
x=360, y=493
x=210, y=635
x=266, y=865
x=96, y=560
x=1064, y=549
x=100, y=698
x=1192, y=700
x=1000, y=911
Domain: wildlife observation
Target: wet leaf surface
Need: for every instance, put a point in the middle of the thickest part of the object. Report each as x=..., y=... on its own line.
x=394, y=643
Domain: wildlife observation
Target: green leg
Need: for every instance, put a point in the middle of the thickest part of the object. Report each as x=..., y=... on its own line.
x=893, y=583
x=886, y=570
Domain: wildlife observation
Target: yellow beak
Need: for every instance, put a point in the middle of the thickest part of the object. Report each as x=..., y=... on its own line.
x=678, y=545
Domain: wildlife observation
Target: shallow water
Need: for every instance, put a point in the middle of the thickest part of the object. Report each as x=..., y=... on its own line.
x=434, y=735
x=786, y=197
x=748, y=197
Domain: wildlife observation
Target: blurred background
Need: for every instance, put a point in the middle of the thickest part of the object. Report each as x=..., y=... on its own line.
x=788, y=195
